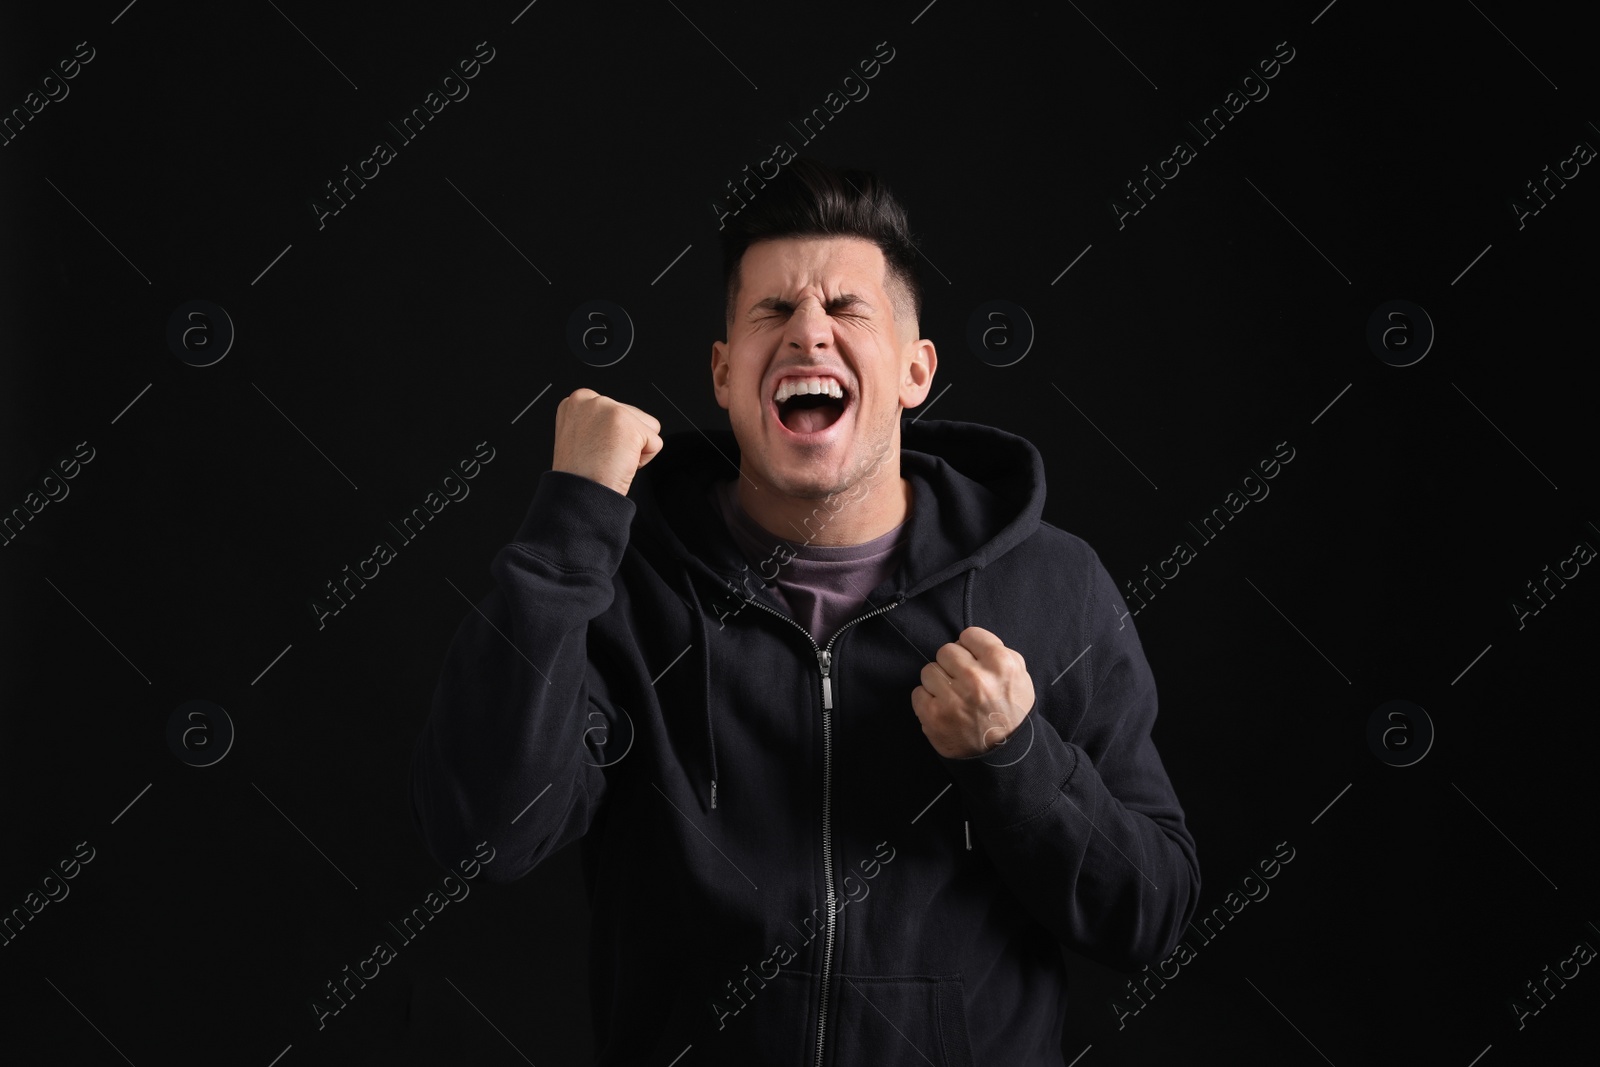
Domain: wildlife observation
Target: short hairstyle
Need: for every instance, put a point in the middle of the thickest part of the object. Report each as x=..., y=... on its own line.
x=808, y=198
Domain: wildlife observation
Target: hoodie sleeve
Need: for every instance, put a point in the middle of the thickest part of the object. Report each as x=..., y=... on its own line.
x=502, y=755
x=1086, y=830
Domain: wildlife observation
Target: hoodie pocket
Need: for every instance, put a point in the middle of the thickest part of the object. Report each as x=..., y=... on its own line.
x=758, y=1020
x=900, y=1021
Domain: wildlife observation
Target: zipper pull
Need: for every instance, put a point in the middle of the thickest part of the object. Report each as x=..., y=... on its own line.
x=713, y=792
x=825, y=658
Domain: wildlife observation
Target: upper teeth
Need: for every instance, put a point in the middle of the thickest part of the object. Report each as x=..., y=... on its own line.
x=796, y=386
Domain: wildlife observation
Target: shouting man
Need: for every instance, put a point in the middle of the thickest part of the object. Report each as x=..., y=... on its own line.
x=857, y=744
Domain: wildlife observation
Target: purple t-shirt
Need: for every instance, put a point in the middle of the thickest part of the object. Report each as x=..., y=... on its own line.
x=824, y=585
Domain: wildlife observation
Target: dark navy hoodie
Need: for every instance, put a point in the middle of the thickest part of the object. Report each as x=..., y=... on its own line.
x=781, y=868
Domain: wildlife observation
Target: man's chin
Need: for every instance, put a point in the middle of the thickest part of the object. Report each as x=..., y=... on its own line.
x=805, y=483
x=814, y=469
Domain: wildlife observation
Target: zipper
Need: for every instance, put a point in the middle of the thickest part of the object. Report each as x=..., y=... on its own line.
x=825, y=664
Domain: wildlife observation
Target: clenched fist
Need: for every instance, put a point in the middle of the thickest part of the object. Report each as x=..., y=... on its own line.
x=973, y=696
x=604, y=440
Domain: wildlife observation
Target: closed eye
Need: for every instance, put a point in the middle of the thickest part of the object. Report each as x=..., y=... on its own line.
x=848, y=303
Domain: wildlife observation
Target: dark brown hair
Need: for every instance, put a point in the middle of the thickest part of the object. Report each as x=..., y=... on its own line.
x=808, y=198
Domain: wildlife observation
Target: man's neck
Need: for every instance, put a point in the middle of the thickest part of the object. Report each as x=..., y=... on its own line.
x=870, y=508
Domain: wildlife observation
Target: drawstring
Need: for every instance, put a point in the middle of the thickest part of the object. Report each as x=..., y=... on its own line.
x=966, y=620
x=705, y=656
x=705, y=659
x=711, y=730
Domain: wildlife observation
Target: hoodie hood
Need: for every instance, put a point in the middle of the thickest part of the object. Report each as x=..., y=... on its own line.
x=977, y=492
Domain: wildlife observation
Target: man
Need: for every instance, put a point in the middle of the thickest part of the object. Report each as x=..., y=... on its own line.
x=855, y=742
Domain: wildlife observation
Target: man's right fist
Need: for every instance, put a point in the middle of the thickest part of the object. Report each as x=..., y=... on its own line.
x=604, y=440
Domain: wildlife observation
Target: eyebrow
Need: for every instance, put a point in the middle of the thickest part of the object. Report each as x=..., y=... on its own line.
x=838, y=303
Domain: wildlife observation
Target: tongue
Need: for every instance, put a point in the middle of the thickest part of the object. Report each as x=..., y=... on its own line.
x=812, y=419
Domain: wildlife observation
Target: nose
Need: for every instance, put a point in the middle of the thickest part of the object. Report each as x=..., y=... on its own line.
x=809, y=326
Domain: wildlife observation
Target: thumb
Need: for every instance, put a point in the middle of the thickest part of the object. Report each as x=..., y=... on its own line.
x=652, y=448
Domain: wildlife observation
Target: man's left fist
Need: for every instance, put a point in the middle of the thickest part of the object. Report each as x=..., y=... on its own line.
x=975, y=693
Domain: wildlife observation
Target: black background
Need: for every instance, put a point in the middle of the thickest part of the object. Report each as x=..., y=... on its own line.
x=377, y=351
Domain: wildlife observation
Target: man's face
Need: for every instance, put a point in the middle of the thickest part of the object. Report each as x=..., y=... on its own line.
x=808, y=308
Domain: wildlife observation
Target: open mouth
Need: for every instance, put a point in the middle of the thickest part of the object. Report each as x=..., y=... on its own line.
x=807, y=413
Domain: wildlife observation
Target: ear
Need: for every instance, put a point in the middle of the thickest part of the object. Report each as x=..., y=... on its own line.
x=719, y=372
x=921, y=362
